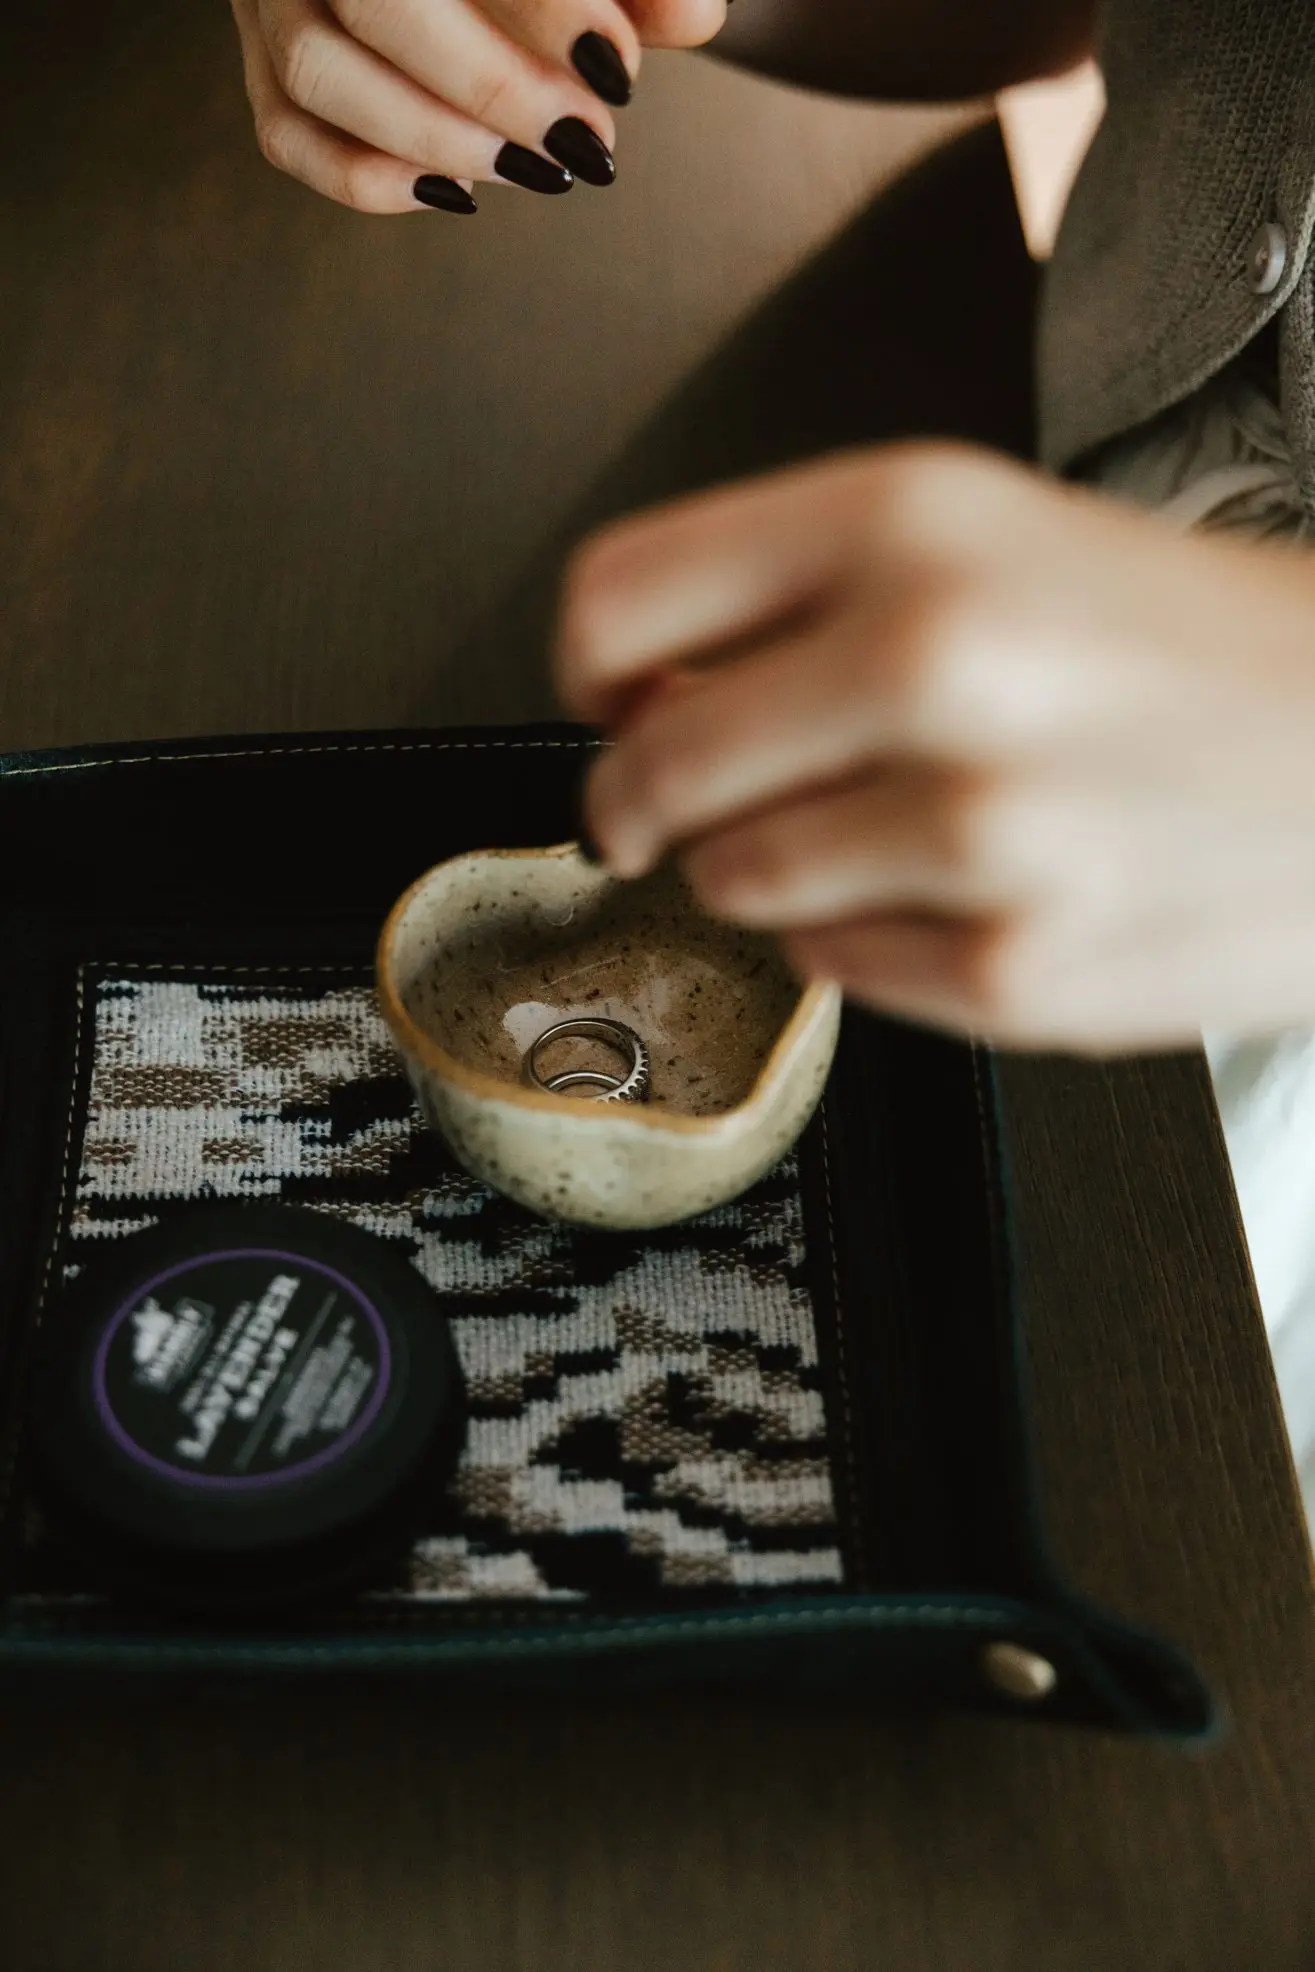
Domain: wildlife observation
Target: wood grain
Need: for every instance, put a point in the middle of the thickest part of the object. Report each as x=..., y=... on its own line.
x=263, y=464
x=266, y=460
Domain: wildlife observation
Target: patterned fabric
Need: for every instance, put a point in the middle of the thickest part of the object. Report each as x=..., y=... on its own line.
x=646, y=1410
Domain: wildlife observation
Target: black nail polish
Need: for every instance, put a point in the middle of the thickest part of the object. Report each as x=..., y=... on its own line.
x=588, y=848
x=581, y=150
x=444, y=194
x=530, y=171
x=602, y=68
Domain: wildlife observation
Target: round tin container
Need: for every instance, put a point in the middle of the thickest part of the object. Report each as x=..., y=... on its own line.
x=245, y=1404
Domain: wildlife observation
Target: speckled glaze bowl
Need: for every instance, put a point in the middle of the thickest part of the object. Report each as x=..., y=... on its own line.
x=487, y=951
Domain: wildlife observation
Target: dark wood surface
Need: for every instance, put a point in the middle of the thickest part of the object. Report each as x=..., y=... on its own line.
x=263, y=464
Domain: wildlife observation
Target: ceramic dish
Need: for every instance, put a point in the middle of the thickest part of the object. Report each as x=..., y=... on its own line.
x=487, y=951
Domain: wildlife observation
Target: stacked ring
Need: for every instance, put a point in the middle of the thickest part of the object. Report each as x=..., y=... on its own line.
x=633, y=1086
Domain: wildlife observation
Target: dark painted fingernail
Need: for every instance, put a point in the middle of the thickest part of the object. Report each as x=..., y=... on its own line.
x=532, y=172
x=602, y=68
x=581, y=150
x=588, y=848
x=444, y=194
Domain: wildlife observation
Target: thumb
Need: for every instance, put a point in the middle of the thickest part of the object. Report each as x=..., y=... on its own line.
x=676, y=23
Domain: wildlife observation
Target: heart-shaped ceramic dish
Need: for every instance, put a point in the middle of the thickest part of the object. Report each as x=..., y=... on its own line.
x=487, y=951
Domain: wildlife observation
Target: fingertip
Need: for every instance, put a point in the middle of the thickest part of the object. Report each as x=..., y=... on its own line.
x=718, y=884
x=677, y=23
x=620, y=856
x=622, y=851
x=807, y=955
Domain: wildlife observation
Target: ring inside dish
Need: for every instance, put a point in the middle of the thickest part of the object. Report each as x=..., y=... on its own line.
x=499, y=947
x=627, y=1080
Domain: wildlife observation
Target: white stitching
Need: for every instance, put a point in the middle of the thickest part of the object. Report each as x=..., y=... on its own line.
x=79, y=1038
x=289, y=752
x=842, y=1375
x=361, y=968
x=43, y=1292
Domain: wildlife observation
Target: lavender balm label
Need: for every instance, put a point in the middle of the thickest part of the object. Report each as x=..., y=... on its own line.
x=244, y=1405
x=241, y=1369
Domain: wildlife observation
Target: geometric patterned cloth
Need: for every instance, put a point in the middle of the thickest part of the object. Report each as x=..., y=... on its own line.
x=646, y=1412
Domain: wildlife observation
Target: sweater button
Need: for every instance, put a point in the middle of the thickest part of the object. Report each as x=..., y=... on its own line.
x=1267, y=256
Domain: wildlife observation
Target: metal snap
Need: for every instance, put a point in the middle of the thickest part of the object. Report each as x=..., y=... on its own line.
x=1018, y=1672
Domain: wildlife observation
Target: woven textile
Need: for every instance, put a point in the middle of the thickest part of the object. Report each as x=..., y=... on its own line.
x=646, y=1410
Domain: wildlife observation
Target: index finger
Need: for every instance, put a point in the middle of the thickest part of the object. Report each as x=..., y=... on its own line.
x=688, y=581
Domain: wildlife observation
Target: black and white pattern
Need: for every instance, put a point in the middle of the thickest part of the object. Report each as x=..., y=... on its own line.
x=646, y=1410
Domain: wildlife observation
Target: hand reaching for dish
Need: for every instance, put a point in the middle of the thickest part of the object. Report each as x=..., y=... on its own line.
x=989, y=752
x=395, y=105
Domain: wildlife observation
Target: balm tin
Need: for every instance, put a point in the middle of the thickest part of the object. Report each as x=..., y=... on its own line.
x=246, y=1404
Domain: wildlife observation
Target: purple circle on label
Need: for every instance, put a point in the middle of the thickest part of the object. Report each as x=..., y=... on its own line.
x=261, y=1480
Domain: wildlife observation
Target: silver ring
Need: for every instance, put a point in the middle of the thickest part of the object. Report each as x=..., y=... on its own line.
x=633, y=1086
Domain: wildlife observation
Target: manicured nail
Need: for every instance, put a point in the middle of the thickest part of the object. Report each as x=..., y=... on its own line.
x=581, y=150
x=532, y=172
x=601, y=66
x=444, y=194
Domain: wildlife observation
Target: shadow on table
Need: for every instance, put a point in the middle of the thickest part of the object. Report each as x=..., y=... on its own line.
x=916, y=321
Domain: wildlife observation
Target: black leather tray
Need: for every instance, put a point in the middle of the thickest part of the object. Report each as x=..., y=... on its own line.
x=287, y=852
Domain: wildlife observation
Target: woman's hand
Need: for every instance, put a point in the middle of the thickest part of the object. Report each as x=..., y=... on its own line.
x=991, y=753
x=393, y=105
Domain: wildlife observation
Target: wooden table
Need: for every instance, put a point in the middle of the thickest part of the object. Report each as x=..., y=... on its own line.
x=264, y=464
